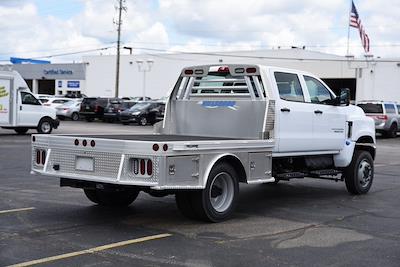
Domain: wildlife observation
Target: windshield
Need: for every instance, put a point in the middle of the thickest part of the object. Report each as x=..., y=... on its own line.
x=139, y=106
x=371, y=108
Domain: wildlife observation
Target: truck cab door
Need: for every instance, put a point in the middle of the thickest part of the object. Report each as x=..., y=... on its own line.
x=29, y=110
x=294, y=117
x=329, y=120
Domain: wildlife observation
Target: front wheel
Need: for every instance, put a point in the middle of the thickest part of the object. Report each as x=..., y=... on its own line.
x=112, y=198
x=45, y=126
x=360, y=173
x=143, y=121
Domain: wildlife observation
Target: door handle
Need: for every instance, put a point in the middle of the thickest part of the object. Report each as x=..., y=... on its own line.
x=20, y=107
x=285, y=110
x=318, y=112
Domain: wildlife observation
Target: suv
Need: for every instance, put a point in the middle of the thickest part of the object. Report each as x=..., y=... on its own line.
x=93, y=107
x=385, y=114
x=113, y=110
x=143, y=113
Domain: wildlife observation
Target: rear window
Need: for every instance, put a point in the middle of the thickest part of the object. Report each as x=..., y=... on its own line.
x=371, y=108
x=390, y=108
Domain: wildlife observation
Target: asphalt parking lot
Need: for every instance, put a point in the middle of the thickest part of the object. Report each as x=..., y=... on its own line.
x=298, y=223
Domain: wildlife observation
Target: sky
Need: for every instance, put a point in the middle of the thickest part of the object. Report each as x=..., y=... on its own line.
x=66, y=30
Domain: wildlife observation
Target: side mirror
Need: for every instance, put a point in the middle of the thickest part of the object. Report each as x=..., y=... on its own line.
x=344, y=97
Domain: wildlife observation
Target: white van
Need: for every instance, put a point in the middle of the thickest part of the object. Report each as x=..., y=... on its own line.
x=19, y=109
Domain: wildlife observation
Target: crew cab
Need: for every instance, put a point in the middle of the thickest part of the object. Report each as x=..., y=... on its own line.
x=223, y=125
x=20, y=110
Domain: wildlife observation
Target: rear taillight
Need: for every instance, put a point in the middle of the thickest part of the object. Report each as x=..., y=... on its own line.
x=96, y=108
x=382, y=117
x=149, y=167
x=142, y=167
x=40, y=157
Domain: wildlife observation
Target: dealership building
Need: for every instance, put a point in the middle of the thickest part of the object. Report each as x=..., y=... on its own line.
x=155, y=74
x=53, y=79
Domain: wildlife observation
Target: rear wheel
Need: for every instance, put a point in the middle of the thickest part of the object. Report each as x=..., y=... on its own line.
x=21, y=130
x=75, y=116
x=360, y=173
x=112, y=198
x=217, y=201
x=392, y=132
x=45, y=126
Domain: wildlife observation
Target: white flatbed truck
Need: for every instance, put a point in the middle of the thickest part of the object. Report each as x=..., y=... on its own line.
x=223, y=125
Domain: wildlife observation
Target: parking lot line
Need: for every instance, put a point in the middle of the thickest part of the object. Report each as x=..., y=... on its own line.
x=16, y=210
x=90, y=250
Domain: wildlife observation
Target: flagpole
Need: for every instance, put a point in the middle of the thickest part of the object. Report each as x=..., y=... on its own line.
x=348, y=29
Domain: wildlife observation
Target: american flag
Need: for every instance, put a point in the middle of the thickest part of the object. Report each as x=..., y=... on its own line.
x=355, y=22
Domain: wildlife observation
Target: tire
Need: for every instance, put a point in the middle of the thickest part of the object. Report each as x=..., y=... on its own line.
x=45, y=126
x=217, y=201
x=75, y=116
x=360, y=173
x=112, y=198
x=143, y=121
x=21, y=130
x=392, y=132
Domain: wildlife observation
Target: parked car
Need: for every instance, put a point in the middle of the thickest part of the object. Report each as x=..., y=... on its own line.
x=93, y=107
x=141, y=99
x=69, y=110
x=385, y=114
x=143, y=113
x=113, y=110
x=53, y=102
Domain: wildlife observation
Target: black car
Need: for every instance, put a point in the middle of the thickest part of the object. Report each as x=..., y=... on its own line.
x=93, y=107
x=143, y=113
x=113, y=110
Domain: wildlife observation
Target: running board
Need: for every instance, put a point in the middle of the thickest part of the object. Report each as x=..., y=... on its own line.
x=289, y=175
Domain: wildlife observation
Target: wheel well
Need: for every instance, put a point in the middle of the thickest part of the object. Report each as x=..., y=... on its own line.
x=360, y=145
x=45, y=118
x=237, y=165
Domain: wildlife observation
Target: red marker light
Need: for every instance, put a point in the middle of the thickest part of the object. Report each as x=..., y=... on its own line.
x=92, y=143
x=142, y=167
x=156, y=147
x=188, y=72
x=84, y=143
x=76, y=142
x=223, y=69
x=165, y=147
x=33, y=139
x=251, y=70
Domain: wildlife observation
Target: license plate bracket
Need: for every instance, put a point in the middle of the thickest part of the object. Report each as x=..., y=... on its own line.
x=84, y=163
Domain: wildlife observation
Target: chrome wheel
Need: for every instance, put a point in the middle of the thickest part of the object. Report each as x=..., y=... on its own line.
x=364, y=173
x=143, y=121
x=221, y=192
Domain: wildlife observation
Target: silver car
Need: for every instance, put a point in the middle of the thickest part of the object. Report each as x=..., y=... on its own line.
x=385, y=114
x=69, y=110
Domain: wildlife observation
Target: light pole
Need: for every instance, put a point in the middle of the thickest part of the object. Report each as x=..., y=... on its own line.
x=144, y=66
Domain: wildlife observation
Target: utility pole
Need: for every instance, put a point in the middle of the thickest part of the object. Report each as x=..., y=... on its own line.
x=119, y=24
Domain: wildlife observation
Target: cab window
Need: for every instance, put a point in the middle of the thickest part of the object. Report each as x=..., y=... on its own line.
x=29, y=99
x=390, y=108
x=319, y=94
x=289, y=86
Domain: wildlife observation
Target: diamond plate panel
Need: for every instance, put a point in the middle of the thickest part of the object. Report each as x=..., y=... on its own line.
x=105, y=164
